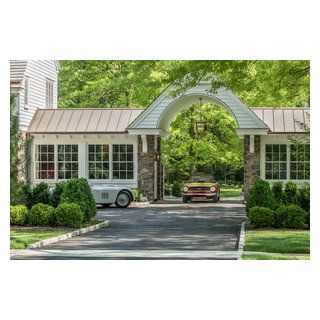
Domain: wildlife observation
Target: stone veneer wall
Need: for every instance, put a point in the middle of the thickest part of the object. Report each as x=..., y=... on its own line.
x=146, y=169
x=251, y=163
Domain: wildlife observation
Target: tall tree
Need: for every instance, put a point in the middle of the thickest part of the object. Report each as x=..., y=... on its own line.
x=130, y=83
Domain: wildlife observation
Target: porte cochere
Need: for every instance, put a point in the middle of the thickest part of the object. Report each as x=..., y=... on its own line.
x=123, y=146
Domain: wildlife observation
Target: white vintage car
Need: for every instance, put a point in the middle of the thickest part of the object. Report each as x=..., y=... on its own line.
x=107, y=194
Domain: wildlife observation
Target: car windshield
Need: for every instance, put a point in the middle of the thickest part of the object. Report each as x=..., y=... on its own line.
x=201, y=177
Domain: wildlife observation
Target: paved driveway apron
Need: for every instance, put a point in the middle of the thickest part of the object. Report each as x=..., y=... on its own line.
x=158, y=231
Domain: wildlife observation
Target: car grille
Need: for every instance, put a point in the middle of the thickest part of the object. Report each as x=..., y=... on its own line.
x=198, y=188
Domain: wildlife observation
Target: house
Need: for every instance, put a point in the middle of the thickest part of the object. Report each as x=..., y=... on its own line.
x=33, y=84
x=123, y=146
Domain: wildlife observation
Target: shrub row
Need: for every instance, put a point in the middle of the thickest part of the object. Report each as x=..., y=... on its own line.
x=72, y=191
x=261, y=195
x=65, y=215
x=285, y=216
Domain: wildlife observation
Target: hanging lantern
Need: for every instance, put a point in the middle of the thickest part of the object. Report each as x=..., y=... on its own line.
x=200, y=125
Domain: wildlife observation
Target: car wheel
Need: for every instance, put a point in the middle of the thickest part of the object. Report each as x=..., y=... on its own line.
x=106, y=205
x=185, y=199
x=215, y=199
x=123, y=199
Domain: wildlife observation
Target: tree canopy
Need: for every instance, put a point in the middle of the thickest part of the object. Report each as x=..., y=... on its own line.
x=136, y=83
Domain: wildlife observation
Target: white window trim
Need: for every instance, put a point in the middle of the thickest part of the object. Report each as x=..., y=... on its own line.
x=26, y=93
x=276, y=139
x=83, y=141
x=49, y=94
x=33, y=164
x=57, y=162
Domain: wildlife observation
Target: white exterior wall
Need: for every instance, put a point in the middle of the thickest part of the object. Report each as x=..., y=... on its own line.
x=83, y=141
x=276, y=139
x=37, y=71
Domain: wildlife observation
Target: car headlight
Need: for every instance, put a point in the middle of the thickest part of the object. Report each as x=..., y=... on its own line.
x=212, y=189
x=185, y=189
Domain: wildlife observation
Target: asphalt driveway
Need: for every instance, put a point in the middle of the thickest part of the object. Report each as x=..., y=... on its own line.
x=157, y=231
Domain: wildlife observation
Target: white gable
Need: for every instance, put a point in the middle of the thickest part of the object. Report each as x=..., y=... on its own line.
x=158, y=116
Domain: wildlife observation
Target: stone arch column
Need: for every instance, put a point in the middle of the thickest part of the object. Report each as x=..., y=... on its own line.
x=146, y=168
x=251, y=163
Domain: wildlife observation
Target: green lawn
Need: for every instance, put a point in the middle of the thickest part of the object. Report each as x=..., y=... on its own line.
x=275, y=257
x=230, y=192
x=21, y=237
x=278, y=241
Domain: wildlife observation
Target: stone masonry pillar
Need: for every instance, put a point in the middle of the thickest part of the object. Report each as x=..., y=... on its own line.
x=251, y=164
x=146, y=168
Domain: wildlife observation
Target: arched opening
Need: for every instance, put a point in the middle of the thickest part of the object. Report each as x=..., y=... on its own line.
x=185, y=101
x=215, y=155
x=153, y=124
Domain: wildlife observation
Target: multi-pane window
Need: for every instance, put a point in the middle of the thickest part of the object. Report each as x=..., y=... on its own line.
x=44, y=161
x=49, y=93
x=98, y=161
x=122, y=161
x=300, y=162
x=68, y=163
x=276, y=162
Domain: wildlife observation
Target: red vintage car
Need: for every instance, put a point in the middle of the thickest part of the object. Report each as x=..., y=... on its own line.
x=200, y=190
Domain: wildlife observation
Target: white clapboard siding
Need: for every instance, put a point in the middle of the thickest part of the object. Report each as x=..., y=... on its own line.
x=37, y=71
x=17, y=69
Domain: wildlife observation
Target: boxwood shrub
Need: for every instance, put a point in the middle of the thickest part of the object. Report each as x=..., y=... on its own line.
x=41, y=215
x=40, y=193
x=291, y=193
x=277, y=190
x=18, y=215
x=55, y=196
x=304, y=197
x=290, y=216
x=260, y=217
x=261, y=196
x=69, y=215
x=78, y=191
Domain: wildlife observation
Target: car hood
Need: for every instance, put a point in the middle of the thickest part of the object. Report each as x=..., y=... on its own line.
x=200, y=184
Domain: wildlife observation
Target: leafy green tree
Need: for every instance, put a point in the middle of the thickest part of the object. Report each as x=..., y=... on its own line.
x=184, y=151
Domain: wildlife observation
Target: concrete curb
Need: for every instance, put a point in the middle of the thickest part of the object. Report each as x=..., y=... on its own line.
x=66, y=236
x=276, y=254
x=241, y=240
x=139, y=204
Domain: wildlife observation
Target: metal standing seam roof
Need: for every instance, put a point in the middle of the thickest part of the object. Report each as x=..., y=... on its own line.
x=82, y=120
x=284, y=120
x=117, y=120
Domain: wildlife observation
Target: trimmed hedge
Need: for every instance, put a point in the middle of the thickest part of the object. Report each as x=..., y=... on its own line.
x=290, y=216
x=277, y=190
x=55, y=196
x=78, y=191
x=260, y=217
x=18, y=215
x=304, y=197
x=41, y=215
x=291, y=193
x=40, y=193
x=69, y=215
x=261, y=196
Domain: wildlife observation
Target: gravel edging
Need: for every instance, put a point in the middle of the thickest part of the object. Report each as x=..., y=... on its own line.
x=241, y=240
x=66, y=236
